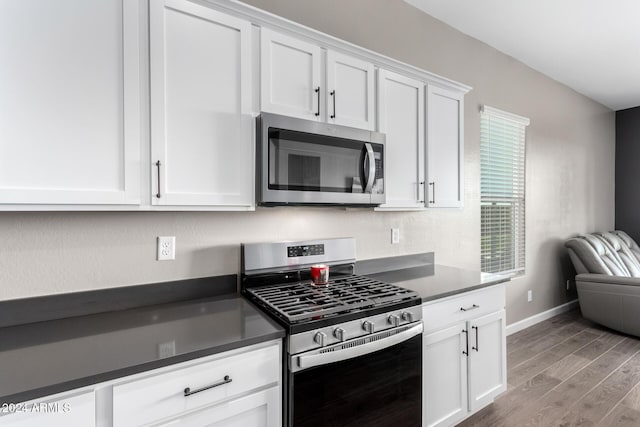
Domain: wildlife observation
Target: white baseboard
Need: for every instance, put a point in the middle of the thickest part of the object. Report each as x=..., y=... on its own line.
x=537, y=318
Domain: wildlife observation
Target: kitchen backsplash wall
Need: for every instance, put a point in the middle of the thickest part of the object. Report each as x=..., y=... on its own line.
x=570, y=182
x=46, y=253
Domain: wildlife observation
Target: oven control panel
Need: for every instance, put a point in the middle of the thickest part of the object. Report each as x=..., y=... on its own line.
x=346, y=331
x=305, y=250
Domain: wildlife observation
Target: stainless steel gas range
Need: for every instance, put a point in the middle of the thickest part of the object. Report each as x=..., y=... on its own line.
x=353, y=351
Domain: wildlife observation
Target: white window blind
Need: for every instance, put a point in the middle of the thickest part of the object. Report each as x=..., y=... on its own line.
x=502, y=191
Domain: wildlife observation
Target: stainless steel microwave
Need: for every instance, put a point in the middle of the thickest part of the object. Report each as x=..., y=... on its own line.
x=303, y=162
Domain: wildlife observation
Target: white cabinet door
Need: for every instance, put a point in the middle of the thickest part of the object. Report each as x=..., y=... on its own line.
x=201, y=125
x=445, y=376
x=259, y=409
x=289, y=76
x=78, y=410
x=445, y=151
x=401, y=118
x=487, y=359
x=70, y=103
x=350, y=84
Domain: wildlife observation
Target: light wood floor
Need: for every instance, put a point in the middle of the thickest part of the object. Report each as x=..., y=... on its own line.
x=567, y=371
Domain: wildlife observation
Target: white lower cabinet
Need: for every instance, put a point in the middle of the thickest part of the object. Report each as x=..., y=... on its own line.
x=445, y=376
x=237, y=388
x=487, y=359
x=70, y=409
x=259, y=409
x=185, y=395
x=464, y=355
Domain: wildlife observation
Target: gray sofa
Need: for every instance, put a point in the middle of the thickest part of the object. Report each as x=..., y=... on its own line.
x=608, y=279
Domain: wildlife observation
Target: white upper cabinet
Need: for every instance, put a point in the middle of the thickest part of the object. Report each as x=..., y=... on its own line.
x=290, y=76
x=401, y=118
x=350, y=86
x=445, y=149
x=201, y=124
x=74, y=91
x=70, y=103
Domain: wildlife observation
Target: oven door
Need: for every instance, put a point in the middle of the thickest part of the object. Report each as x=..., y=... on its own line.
x=371, y=381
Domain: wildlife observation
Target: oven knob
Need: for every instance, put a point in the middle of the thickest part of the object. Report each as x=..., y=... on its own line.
x=368, y=326
x=319, y=338
x=393, y=320
x=407, y=316
x=339, y=333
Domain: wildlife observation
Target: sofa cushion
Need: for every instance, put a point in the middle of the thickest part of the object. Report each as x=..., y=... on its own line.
x=633, y=246
x=618, y=245
x=596, y=256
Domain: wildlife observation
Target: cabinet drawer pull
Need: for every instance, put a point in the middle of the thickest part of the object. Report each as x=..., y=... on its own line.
x=189, y=392
x=158, y=195
x=473, y=307
x=477, y=345
x=317, y=90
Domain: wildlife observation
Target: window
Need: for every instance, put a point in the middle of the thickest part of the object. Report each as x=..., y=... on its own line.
x=502, y=191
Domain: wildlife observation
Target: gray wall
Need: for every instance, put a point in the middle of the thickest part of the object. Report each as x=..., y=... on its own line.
x=628, y=172
x=570, y=182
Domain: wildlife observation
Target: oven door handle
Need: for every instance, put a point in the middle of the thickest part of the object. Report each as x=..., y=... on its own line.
x=309, y=361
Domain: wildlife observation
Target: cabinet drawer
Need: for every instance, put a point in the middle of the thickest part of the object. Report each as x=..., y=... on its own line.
x=440, y=313
x=259, y=409
x=159, y=396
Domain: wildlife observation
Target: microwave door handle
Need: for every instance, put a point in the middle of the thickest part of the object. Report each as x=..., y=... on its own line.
x=369, y=168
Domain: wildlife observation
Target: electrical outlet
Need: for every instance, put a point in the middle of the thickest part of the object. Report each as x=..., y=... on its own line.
x=166, y=349
x=395, y=236
x=529, y=295
x=166, y=248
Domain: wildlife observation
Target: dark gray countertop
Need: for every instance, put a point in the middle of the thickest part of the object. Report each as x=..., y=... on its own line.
x=439, y=281
x=44, y=358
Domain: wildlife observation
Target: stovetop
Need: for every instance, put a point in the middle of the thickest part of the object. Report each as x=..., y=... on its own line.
x=275, y=276
x=303, y=301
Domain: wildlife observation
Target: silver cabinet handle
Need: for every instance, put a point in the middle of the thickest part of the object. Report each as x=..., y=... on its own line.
x=421, y=192
x=317, y=91
x=333, y=94
x=466, y=340
x=158, y=164
x=225, y=380
x=433, y=192
x=473, y=307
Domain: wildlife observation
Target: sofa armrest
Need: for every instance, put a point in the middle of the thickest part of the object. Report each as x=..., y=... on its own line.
x=607, y=279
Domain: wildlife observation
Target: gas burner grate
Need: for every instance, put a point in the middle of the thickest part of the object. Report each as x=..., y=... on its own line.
x=304, y=301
